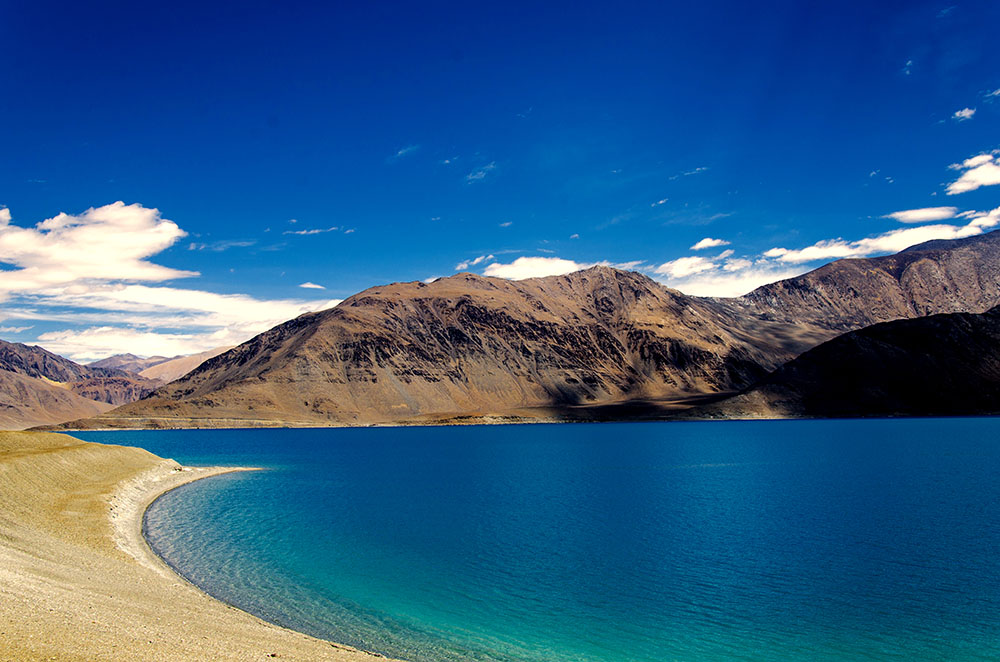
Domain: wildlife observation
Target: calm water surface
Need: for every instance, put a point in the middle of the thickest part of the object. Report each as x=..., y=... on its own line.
x=798, y=540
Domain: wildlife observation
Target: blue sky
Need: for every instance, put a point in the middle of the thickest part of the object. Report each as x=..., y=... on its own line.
x=259, y=148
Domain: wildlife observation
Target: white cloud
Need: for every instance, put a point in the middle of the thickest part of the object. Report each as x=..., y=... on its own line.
x=465, y=264
x=738, y=264
x=534, y=267
x=994, y=93
x=964, y=114
x=99, y=342
x=981, y=170
x=311, y=286
x=199, y=320
x=507, y=224
x=659, y=202
x=574, y=236
x=708, y=242
x=887, y=242
x=736, y=278
x=685, y=266
x=14, y=329
x=923, y=215
x=92, y=268
x=104, y=243
x=908, y=67
x=480, y=173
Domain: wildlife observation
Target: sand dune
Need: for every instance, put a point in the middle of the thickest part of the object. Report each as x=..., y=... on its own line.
x=77, y=581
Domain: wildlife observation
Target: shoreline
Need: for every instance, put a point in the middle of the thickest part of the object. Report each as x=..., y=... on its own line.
x=79, y=581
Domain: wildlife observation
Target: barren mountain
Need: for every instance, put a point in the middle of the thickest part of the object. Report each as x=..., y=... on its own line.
x=945, y=364
x=129, y=362
x=470, y=345
x=596, y=340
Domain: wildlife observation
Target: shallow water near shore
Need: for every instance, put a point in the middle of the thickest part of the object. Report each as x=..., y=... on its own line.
x=785, y=540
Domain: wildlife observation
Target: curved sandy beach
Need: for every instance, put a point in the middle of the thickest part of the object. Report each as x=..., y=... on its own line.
x=79, y=582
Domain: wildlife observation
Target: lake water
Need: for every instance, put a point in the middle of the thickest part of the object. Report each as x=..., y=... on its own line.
x=797, y=540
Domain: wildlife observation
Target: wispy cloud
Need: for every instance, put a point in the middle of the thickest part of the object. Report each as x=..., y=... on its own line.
x=924, y=215
x=480, y=174
x=908, y=68
x=311, y=286
x=708, y=242
x=403, y=152
x=688, y=173
x=506, y=224
x=963, y=115
x=219, y=246
x=15, y=329
x=978, y=171
x=660, y=202
x=313, y=231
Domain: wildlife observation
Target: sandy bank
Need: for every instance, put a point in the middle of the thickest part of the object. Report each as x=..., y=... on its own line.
x=78, y=582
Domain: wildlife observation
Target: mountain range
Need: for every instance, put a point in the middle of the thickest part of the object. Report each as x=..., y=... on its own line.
x=594, y=344
x=38, y=387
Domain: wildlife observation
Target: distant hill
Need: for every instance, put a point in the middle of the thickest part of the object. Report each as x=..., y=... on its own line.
x=599, y=340
x=128, y=362
x=169, y=370
x=945, y=364
x=40, y=387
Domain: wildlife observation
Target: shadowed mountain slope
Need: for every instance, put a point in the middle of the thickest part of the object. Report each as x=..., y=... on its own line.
x=945, y=364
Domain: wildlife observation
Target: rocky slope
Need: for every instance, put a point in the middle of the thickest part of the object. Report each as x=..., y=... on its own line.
x=469, y=346
x=954, y=276
x=29, y=401
x=945, y=364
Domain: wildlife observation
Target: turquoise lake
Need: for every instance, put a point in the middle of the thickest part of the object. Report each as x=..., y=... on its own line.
x=785, y=540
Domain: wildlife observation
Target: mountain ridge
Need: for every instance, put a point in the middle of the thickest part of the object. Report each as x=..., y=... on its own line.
x=471, y=347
